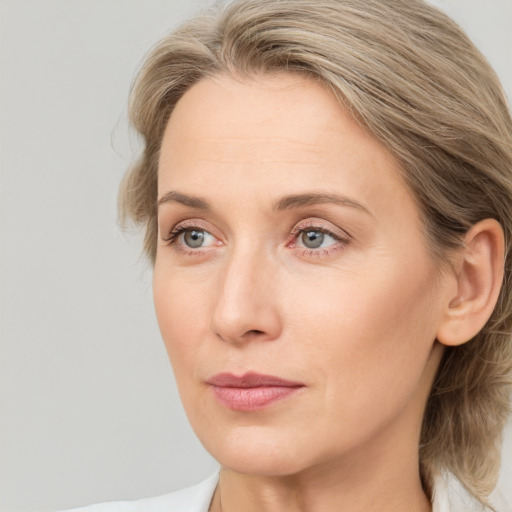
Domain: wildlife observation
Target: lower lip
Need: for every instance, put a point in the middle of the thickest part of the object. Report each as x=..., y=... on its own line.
x=252, y=399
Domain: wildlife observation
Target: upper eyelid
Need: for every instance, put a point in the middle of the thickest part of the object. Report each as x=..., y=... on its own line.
x=195, y=222
x=319, y=225
x=188, y=224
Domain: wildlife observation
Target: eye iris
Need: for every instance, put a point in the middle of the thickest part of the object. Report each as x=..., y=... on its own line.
x=193, y=238
x=312, y=239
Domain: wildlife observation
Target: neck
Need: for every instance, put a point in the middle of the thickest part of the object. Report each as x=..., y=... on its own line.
x=349, y=486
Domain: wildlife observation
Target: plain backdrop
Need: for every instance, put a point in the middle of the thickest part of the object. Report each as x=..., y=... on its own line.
x=88, y=406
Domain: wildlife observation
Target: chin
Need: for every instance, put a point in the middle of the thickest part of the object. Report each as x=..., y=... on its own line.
x=255, y=451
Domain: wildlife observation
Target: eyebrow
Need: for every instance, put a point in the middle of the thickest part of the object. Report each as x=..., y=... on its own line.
x=284, y=203
x=298, y=200
x=177, y=197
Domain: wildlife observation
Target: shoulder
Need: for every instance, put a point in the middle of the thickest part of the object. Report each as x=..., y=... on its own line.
x=191, y=499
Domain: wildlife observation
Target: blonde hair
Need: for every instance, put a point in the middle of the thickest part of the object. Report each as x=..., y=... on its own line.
x=410, y=75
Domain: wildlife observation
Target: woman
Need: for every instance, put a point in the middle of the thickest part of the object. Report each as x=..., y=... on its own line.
x=327, y=197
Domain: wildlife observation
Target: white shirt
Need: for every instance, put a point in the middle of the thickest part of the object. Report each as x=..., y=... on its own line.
x=448, y=497
x=191, y=499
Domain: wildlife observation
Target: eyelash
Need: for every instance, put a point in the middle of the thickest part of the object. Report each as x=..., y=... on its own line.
x=179, y=229
x=314, y=226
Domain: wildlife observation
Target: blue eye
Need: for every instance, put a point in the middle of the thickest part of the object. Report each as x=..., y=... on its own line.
x=312, y=239
x=190, y=238
x=315, y=239
x=194, y=238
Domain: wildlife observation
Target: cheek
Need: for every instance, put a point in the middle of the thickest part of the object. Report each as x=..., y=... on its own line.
x=368, y=336
x=356, y=307
x=182, y=314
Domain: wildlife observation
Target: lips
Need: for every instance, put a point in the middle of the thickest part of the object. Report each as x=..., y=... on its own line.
x=251, y=391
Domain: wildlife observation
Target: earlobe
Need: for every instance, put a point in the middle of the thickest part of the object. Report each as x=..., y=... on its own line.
x=478, y=283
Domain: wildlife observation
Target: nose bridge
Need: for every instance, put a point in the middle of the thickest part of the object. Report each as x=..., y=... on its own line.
x=245, y=305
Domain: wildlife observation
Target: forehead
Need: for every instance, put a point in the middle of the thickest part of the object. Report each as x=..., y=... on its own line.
x=289, y=112
x=280, y=132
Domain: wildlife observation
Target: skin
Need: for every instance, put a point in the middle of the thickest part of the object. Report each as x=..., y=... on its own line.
x=354, y=320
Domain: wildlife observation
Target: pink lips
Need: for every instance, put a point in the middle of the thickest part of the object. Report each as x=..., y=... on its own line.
x=251, y=391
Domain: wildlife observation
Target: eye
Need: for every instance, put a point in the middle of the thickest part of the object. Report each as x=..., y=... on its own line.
x=186, y=237
x=315, y=239
x=195, y=238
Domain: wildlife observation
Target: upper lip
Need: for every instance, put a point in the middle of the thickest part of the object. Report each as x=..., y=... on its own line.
x=250, y=380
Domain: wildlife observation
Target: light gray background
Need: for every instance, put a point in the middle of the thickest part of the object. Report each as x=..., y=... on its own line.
x=88, y=408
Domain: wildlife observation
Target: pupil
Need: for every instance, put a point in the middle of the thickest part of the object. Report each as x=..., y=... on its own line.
x=194, y=239
x=312, y=239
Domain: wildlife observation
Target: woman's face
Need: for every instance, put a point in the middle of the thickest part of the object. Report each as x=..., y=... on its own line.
x=293, y=286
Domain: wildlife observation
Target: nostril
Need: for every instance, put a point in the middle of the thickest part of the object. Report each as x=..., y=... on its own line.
x=254, y=331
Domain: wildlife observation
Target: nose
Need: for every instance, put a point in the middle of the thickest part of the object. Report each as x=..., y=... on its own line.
x=247, y=306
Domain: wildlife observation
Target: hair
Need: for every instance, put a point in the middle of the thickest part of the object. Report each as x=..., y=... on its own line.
x=410, y=76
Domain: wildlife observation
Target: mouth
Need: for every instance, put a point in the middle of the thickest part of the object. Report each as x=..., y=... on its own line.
x=251, y=391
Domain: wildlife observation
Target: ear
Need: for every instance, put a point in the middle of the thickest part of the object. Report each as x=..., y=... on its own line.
x=478, y=276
